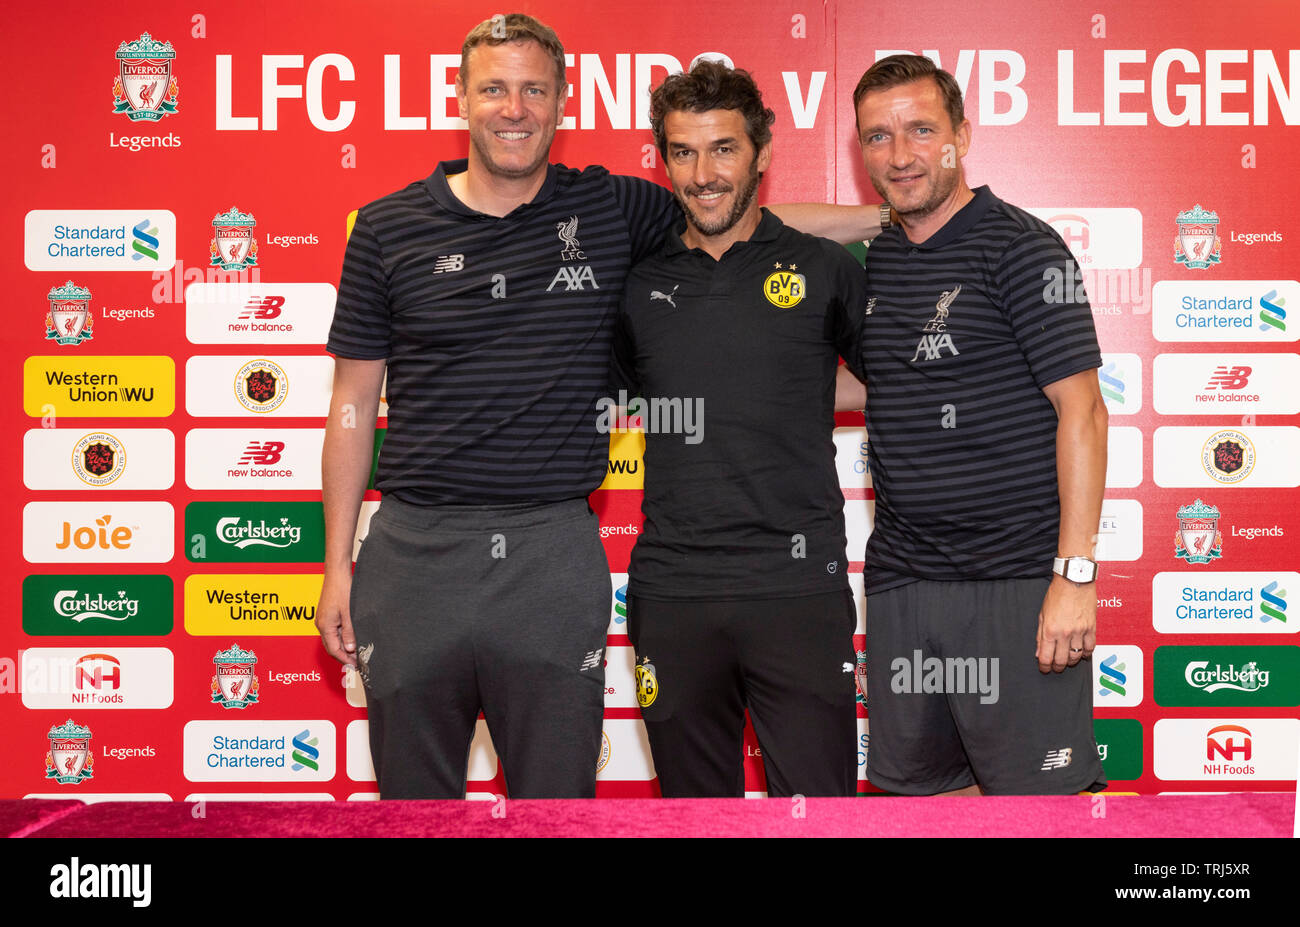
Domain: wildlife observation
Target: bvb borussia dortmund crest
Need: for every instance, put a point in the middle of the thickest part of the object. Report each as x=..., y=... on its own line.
x=69, y=319
x=145, y=88
x=647, y=685
x=1197, y=245
x=235, y=684
x=69, y=760
x=233, y=245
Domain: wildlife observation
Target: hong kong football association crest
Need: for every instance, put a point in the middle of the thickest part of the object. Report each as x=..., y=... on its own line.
x=145, y=88
x=69, y=760
x=1197, y=245
x=235, y=683
x=1198, y=539
x=98, y=459
x=261, y=386
x=233, y=246
x=69, y=319
x=1228, y=456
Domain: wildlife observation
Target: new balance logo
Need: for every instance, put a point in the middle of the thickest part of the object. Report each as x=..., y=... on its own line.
x=592, y=659
x=449, y=263
x=574, y=278
x=666, y=297
x=1058, y=759
x=262, y=307
x=262, y=453
x=933, y=346
x=1229, y=378
x=871, y=306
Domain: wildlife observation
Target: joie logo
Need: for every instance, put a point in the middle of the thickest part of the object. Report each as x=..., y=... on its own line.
x=105, y=880
x=99, y=537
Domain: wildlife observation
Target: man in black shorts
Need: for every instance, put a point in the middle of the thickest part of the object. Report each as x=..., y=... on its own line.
x=488, y=292
x=987, y=441
x=737, y=593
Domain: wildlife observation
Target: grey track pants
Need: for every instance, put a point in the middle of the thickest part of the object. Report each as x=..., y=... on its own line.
x=502, y=609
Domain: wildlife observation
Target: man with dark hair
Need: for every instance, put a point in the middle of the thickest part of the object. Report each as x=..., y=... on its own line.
x=483, y=584
x=737, y=594
x=987, y=441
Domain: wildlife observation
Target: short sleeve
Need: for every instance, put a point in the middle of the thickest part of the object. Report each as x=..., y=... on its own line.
x=622, y=364
x=362, y=326
x=848, y=309
x=1056, y=334
x=650, y=211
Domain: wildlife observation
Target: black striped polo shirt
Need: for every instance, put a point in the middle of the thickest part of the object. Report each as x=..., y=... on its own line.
x=497, y=331
x=960, y=338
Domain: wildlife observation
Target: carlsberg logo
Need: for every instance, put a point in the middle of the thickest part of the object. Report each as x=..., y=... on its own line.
x=79, y=606
x=245, y=533
x=1247, y=679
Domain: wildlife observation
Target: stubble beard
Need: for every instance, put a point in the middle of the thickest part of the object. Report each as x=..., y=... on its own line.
x=738, y=208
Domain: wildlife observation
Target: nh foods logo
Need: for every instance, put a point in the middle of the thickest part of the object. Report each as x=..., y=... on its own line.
x=278, y=532
x=1231, y=676
x=1197, y=244
x=1099, y=238
x=68, y=320
x=233, y=246
x=97, y=605
x=1223, y=311
x=234, y=685
x=99, y=239
x=117, y=677
x=69, y=760
x=1222, y=603
x=259, y=751
x=145, y=88
x=1256, y=749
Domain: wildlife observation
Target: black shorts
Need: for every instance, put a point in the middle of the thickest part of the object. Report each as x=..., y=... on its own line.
x=955, y=696
x=791, y=662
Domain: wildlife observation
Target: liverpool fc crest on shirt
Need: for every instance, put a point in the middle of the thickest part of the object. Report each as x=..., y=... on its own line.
x=69, y=319
x=233, y=245
x=145, y=88
x=1197, y=245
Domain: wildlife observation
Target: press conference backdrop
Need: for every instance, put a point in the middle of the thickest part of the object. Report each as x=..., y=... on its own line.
x=179, y=185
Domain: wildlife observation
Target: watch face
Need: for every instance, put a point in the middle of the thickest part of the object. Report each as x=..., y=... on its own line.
x=1079, y=570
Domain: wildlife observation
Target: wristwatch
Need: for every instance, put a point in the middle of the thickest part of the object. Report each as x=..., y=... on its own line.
x=1079, y=570
x=886, y=219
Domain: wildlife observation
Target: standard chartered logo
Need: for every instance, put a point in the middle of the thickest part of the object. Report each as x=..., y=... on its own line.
x=1247, y=679
x=1274, y=605
x=1271, y=313
x=1112, y=676
x=69, y=603
x=144, y=240
x=1112, y=384
x=244, y=533
x=305, y=753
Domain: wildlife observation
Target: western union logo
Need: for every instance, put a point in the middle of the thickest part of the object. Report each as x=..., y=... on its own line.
x=626, y=470
x=223, y=604
x=92, y=387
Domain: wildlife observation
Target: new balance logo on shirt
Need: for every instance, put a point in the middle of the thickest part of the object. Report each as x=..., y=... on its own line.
x=449, y=263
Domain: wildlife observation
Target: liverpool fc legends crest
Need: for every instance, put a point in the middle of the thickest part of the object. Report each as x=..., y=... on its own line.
x=1198, y=539
x=1197, y=245
x=145, y=88
x=233, y=246
x=69, y=319
x=69, y=760
x=235, y=684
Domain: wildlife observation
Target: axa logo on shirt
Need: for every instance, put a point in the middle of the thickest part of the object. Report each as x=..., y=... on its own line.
x=573, y=278
x=935, y=338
